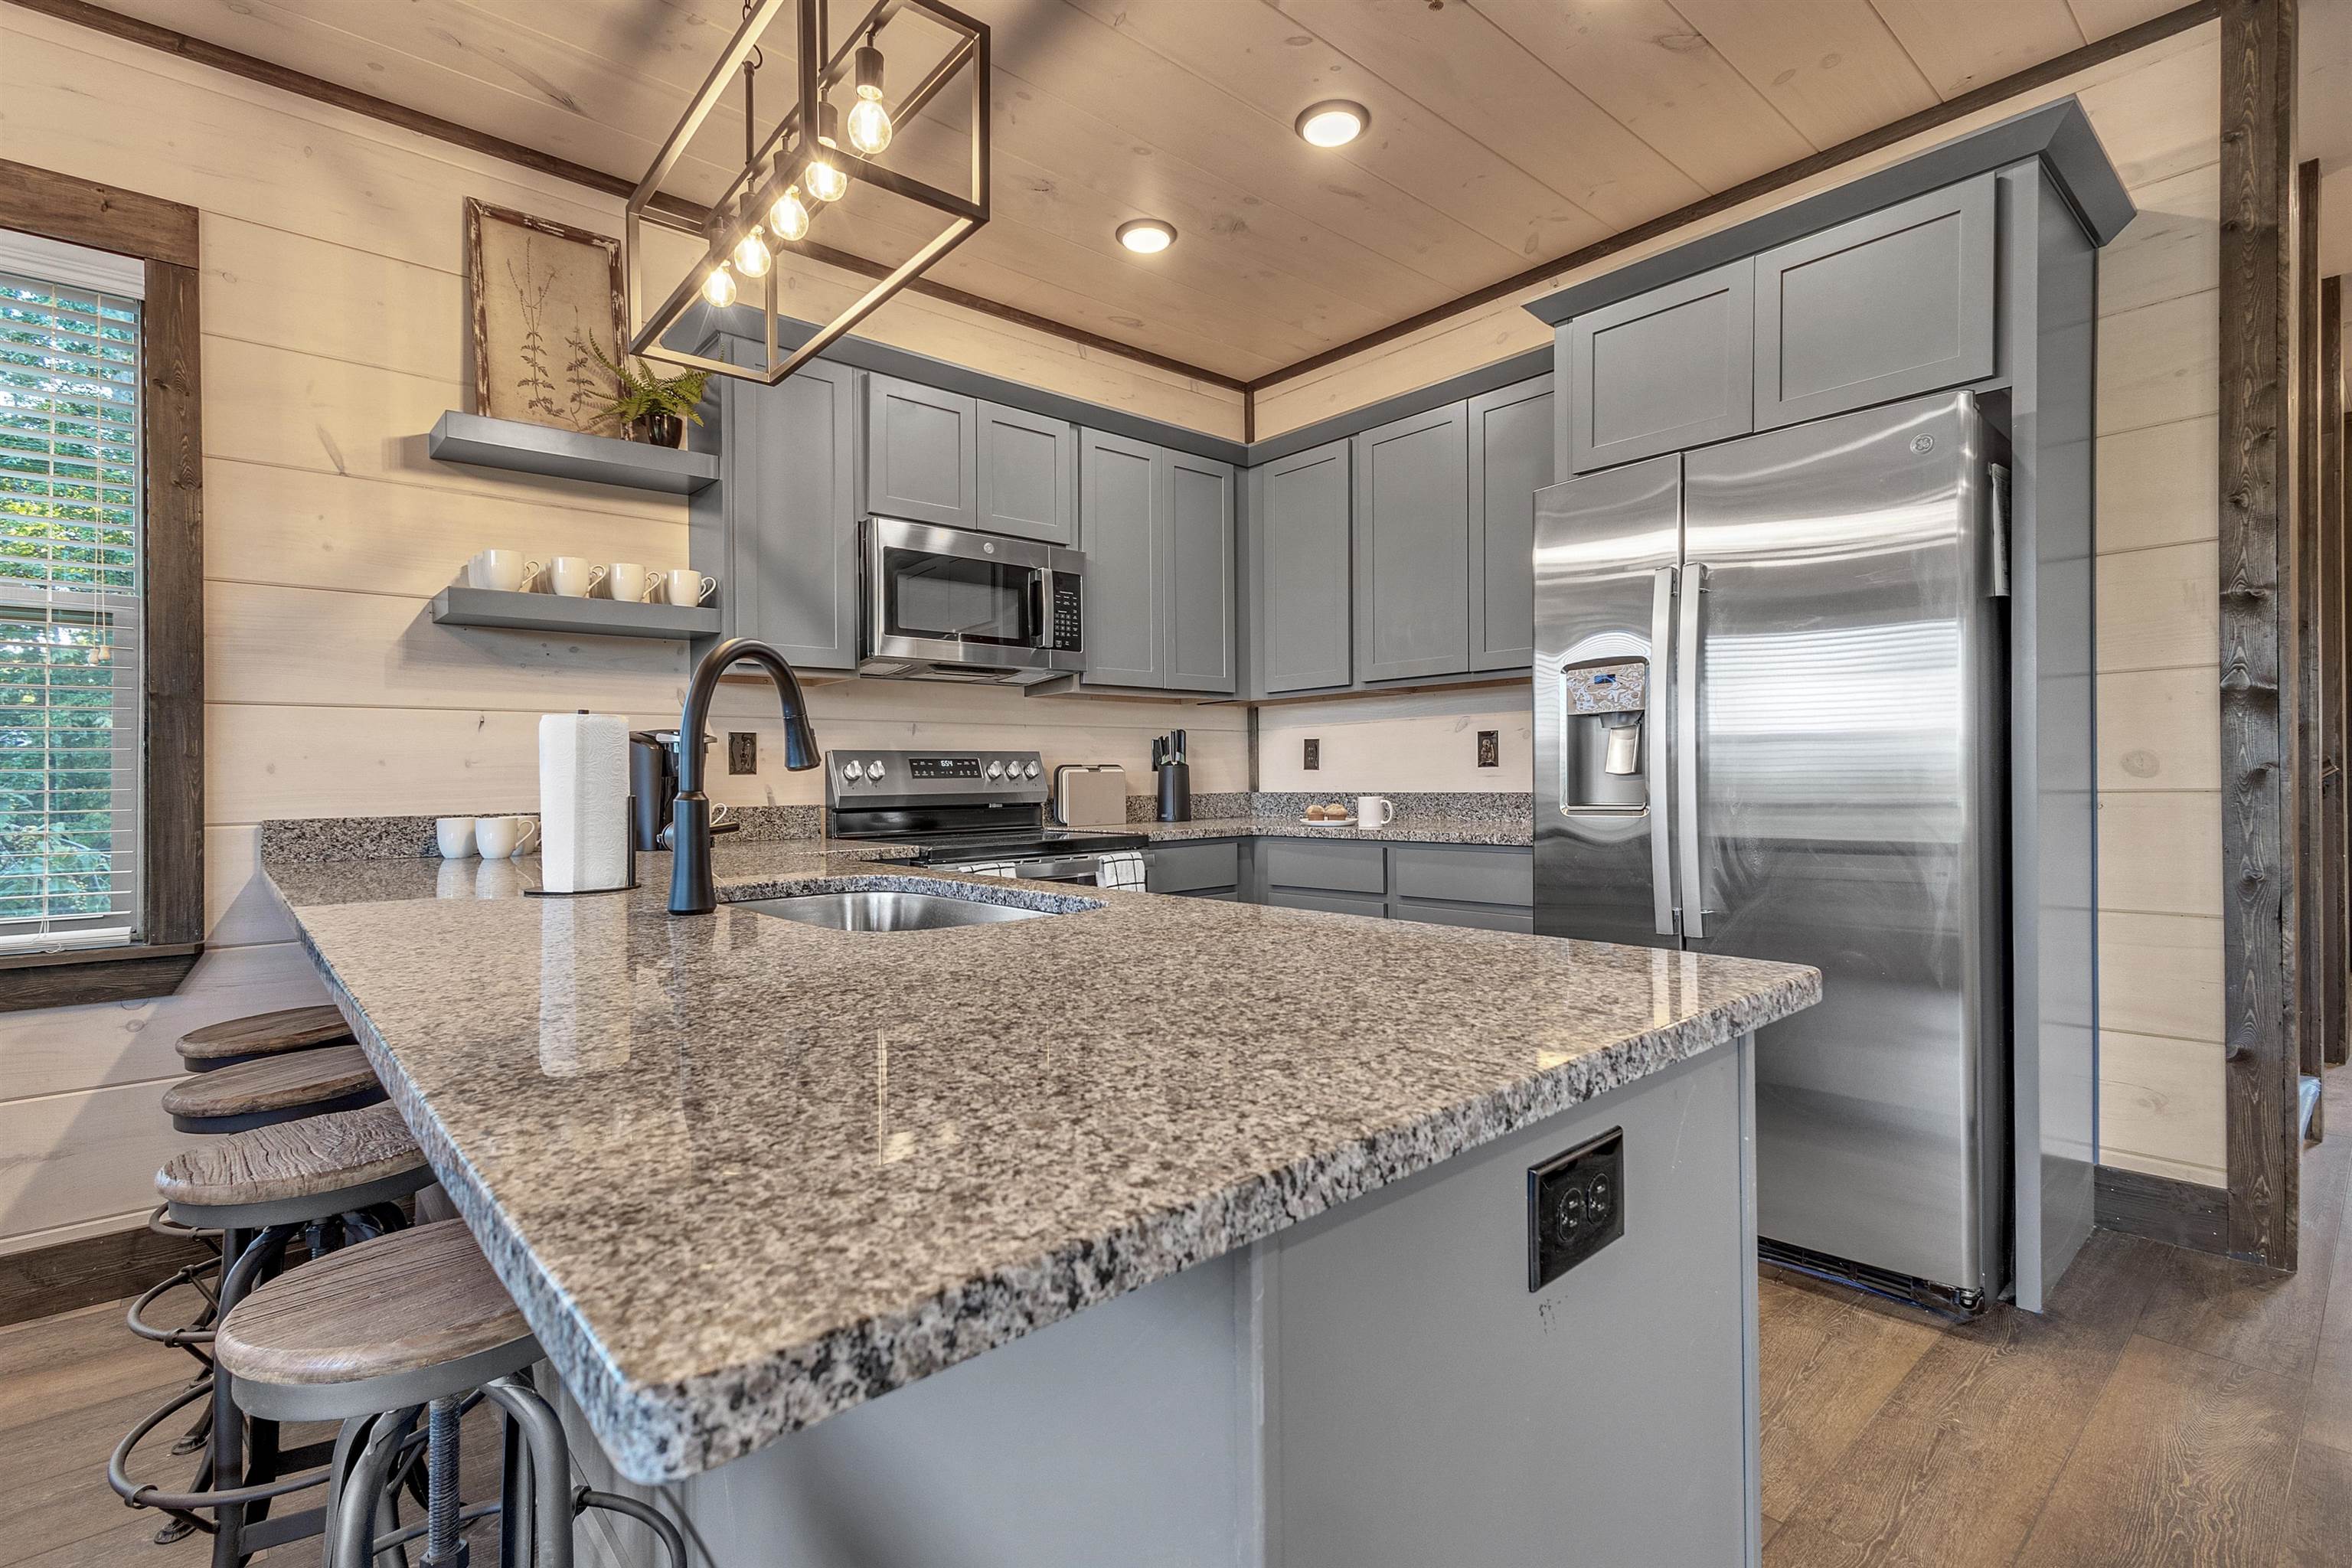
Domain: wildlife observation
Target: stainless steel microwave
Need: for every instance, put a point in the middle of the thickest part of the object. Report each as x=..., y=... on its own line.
x=948, y=603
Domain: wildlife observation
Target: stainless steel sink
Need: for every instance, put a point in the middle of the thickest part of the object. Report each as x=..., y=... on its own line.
x=873, y=910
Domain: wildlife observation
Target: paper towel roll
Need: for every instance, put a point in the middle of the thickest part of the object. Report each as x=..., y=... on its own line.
x=584, y=800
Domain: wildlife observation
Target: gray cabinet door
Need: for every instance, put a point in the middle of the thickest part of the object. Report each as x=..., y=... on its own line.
x=1119, y=495
x=1301, y=579
x=780, y=528
x=1413, y=546
x=1197, y=568
x=1510, y=459
x=1028, y=474
x=921, y=453
x=1212, y=866
x=1665, y=369
x=1884, y=306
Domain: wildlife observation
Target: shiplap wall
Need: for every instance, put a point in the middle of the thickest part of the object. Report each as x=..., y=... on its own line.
x=2158, y=113
x=333, y=337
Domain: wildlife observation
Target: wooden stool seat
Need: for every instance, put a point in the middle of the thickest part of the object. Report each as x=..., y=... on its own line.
x=344, y=1159
x=332, y=1078
x=262, y=1035
x=403, y=1320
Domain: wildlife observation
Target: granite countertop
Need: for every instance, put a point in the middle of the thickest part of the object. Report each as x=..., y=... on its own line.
x=741, y=1173
x=1401, y=830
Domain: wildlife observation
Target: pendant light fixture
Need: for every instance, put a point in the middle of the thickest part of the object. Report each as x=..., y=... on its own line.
x=796, y=168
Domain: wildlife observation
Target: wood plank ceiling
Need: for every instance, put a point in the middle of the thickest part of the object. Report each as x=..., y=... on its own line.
x=1503, y=132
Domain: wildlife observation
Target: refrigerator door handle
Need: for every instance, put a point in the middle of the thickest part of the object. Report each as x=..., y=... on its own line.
x=1654, y=766
x=1686, y=673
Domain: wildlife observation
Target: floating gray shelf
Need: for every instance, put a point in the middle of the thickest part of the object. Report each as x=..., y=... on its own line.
x=568, y=454
x=563, y=615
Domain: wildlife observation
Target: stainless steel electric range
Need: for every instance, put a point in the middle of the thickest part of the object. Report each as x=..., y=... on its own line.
x=980, y=812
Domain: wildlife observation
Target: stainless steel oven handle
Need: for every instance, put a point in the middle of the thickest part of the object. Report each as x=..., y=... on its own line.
x=1655, y=749
x=1071, y=868
x=1686, y=679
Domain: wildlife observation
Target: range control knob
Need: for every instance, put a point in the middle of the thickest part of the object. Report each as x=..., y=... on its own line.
x=996, y=770
x=874, y=770
x=853, y=771
x=1029, y=768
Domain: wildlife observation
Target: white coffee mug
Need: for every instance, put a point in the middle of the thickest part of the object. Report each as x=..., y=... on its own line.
x=685, y=585
x=455, y=836
x=573, y=576
x=1374, y=811
x=629, y=582
x=503, y=838
x=505, y=570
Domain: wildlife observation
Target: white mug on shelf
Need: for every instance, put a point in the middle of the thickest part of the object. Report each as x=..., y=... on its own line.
x=1374, y=811
x=507, y=570
x=629, y=582
x=685, y=585
x=504, y=838
x=573, y=576
x=455, y=836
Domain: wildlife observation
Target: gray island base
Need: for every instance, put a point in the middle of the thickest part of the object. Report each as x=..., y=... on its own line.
x=1151, y=1230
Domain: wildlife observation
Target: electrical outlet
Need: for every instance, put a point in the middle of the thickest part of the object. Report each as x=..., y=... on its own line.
x=742, y=751
x=1314, y=756
x=1576, y=1206
x=1490, y=748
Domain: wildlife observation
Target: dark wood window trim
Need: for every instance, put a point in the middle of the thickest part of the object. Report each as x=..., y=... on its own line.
x=163, y=235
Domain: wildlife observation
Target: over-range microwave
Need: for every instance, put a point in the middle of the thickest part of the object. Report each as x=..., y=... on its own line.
x=951, y=603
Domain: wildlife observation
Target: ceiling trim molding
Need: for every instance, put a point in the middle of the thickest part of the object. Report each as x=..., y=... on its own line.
x=1990, y=95
x=234, y=62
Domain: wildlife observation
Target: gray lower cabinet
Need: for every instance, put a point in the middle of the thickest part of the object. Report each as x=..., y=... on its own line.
x=1204, y=868
x=1413, y=547
x=1510, y=459
x=1491, y=887
x=1660, y=371
x=1197, y=564
x=779, y=530
x=922, y=448
x=1301, y=582
x=1886, y=306
x=1028, y=474
x=1157, y=527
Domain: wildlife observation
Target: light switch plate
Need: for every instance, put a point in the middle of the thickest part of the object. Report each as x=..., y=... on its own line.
x=1314, y=756
x=742, y=751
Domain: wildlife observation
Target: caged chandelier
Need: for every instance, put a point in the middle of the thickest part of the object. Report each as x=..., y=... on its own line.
x=806, y=163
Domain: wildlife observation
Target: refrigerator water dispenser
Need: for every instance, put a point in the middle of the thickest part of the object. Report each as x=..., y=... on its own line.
x=1604, y=736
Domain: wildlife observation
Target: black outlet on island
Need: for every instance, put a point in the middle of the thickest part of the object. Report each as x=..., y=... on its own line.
x=742, y=751
x=1576, y=1206
x=1314, y=756
x=1490, y=748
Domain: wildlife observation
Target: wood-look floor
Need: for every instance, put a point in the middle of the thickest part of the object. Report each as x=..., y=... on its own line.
x=2170, y=1408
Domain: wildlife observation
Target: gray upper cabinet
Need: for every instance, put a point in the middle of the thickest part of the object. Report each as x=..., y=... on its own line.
x=1662, y=371
x=1413, y=546
x=1301, y=582
x=780, y=528
x=922, y=453
x=1896, y=303
x=1197, y=565
x=1510, y=459
x=1120, y=496
x=1028, y=474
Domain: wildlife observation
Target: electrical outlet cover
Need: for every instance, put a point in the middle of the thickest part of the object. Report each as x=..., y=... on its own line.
x=1314, y=756
x=742, y=751
x=1490, y=748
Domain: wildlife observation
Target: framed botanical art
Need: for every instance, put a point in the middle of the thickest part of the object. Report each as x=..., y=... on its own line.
x=547, y=302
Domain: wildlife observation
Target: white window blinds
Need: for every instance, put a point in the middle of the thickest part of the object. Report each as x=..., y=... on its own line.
x=69, y=596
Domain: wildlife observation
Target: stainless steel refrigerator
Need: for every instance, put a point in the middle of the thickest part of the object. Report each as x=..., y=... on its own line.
x=1770, y=721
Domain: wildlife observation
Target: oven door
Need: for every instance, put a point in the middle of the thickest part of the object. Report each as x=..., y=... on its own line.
x=949, y=597
x=1111, y=868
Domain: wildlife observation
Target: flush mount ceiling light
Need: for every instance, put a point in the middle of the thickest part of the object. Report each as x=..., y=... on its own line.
x=1333, y=123
x=1147, y=236
x=789, y=177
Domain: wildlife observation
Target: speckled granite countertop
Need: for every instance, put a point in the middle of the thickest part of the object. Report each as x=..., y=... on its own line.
x=1402, y=830
x=742, y=1174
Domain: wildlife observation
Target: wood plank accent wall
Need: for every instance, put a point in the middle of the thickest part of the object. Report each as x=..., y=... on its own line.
x=333, y=336
x=2257, y=362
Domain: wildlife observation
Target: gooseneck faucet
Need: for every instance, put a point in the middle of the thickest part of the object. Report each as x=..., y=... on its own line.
x=690, y=889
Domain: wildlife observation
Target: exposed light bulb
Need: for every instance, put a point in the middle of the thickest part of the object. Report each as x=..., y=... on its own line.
x=789, y=217
x=719, y=286
x=825, y=180
x=751, y=254
x=869, y=126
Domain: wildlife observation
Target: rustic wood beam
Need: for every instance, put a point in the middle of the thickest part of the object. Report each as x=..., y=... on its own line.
x=2257, y=363
x=2307, y=890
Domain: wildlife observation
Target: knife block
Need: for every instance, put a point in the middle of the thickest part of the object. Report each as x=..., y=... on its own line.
x=1176, y=792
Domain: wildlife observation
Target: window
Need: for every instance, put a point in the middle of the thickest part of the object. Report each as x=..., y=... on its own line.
x=70, y=596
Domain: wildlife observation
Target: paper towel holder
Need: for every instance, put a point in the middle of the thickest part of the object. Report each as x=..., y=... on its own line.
x=590, y=892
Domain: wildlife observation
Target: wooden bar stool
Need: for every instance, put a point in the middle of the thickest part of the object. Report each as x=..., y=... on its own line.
x=235, y=1041
x=380, y=1334
x=258, y=1189
x=266, y=1089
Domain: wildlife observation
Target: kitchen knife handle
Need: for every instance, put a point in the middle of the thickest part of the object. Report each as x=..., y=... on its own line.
x=1655, y=748
x=1687, y=676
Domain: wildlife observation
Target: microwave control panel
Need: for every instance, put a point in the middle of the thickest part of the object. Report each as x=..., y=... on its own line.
x=1065, y=631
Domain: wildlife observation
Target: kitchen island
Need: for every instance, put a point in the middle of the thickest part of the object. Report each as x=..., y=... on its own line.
x=1174, y=1230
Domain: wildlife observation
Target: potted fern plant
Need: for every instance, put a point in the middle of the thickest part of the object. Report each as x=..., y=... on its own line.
x=652, y=408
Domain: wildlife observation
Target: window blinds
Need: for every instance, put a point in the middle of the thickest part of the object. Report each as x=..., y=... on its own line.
x=69, y=605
